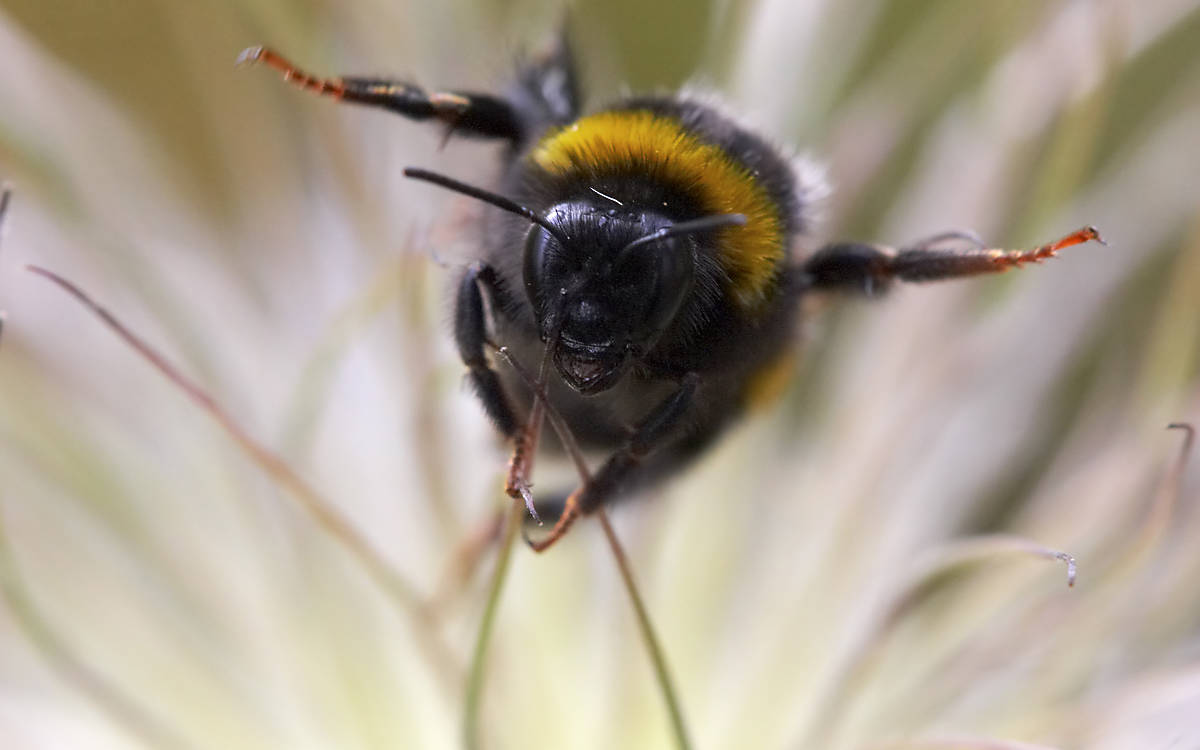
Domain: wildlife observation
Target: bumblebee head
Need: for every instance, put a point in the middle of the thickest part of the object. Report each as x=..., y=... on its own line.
x=604, y=282
x=604, y=286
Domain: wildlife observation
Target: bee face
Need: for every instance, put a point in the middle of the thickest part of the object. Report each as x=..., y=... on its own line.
x=602, y=293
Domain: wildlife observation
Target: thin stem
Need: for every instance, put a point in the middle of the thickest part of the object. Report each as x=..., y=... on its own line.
x=474, y=702
x=908, y=596
x=959, y=743
x=326, y=516
x=1167, y=497
x=661, y=671
x=5, y=197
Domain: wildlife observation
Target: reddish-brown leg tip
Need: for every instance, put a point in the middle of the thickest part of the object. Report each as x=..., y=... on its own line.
x=1086, y=234
x=569, y=515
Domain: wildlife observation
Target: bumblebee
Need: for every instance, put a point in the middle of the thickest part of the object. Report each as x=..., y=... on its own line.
x=651, y=252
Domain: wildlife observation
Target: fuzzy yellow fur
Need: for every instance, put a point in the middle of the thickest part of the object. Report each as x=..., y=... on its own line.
x=659, y=148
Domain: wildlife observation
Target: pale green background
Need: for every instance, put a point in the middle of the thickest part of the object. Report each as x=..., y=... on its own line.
x=267, y=243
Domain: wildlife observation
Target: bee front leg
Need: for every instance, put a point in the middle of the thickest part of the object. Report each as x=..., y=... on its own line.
x=470, y=335
x=659, y=426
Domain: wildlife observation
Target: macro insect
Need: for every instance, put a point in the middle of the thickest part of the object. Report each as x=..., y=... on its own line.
x=649, y=254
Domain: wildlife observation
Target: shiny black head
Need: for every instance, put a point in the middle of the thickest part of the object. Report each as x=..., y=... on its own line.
x=601, y=292
x=605, y=281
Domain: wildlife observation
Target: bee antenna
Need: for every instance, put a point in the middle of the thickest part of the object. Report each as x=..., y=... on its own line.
x=499, y=201
x=703, y=224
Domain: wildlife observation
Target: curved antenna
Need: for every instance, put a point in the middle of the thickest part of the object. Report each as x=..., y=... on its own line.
x=499, y=201
x=703, y=224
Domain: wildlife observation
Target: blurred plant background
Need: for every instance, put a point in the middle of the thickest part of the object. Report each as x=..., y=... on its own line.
x=836, y=574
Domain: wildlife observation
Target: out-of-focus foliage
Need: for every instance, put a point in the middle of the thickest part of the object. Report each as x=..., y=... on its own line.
x=813, y=579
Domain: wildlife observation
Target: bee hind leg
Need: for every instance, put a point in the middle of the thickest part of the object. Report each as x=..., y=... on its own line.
x=871, y=269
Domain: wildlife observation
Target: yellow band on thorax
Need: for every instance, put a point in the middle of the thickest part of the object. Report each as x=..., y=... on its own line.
x=657, y=147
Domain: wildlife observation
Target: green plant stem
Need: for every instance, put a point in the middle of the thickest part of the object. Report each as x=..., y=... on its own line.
x=473, y=703
x=661, y=672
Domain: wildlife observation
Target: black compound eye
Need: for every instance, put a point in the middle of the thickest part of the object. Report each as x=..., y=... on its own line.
x=664, y=270
x=545, y=267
